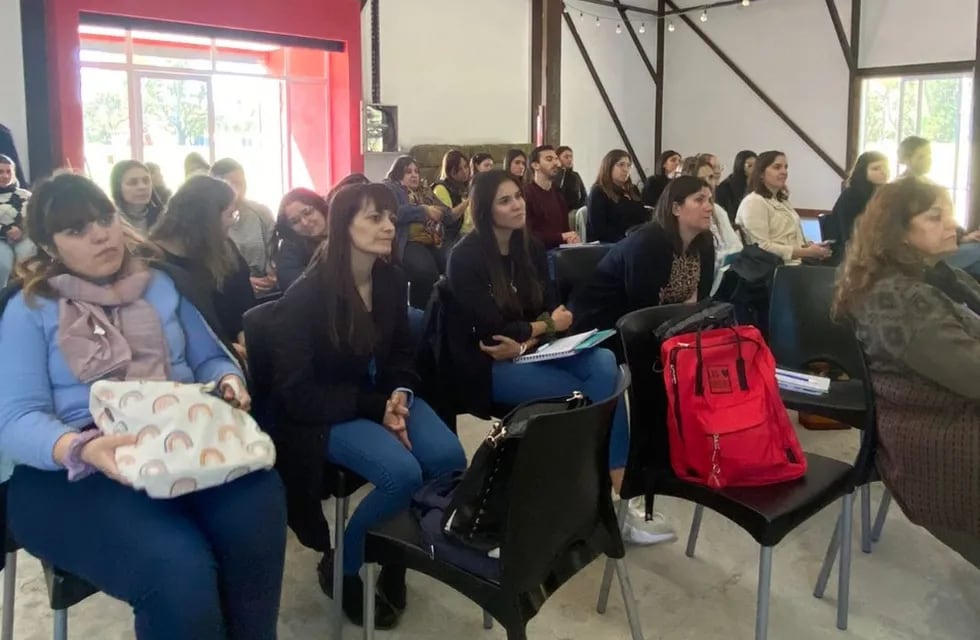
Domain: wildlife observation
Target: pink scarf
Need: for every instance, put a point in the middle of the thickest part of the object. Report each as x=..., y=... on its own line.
x=110, y=331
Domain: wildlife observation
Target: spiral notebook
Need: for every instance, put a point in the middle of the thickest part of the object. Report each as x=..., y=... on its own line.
x=567, y=346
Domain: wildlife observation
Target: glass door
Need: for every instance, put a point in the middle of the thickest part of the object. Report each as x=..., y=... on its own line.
x=175, y=117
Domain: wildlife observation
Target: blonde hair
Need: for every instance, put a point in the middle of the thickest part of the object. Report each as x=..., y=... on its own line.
x=878, y=247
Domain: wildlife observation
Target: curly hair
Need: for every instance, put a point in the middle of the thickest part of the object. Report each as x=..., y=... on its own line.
x=878, y=245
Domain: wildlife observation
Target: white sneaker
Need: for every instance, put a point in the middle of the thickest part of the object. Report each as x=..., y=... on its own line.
x=639, y=531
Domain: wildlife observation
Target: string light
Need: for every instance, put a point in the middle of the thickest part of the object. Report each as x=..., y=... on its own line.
x=619, y=29
x=704, y=16
x=598, y=23
x=643, y=27
x=670, y=26
x=746, y=3
x=569, y=7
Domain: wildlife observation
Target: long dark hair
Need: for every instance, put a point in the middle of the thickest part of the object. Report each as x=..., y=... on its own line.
x=513, y=154
x=737, y=178
x=398, y=168
x=476, y=161
x=678, y=190
x=757, y=183
x=606, y=183
x=192, y=219
x=525, y=278
x=858, y=177
x=115, y=187
x=349, y=179
x=283, y=231
x=664, y=157
x=348, y=324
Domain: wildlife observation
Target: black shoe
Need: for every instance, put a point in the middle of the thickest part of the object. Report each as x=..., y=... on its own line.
x=391, y=584
x=385, y=616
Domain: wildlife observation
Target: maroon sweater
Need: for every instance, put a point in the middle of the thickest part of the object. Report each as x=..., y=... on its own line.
x=547, y=214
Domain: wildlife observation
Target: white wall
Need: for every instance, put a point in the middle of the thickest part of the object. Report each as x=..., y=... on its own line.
x=912, y=31
x=13, y=109
x=585, y=123
x=459, y=70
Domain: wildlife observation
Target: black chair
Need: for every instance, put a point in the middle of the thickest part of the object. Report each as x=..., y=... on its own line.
x=767, y=513
x=574, y=266
x=801, y=333
x=339, y=483
x=560, y=518
x=64, y=589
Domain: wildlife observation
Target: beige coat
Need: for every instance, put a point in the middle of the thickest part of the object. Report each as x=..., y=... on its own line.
x=772, y=224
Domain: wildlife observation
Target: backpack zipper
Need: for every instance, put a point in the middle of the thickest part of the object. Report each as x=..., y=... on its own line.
x=677, y=404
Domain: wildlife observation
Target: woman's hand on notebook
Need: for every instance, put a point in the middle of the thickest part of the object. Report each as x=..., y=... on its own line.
x=505, y=349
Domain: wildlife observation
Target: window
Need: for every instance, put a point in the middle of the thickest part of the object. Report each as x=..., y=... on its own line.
x=936, y=107
x=157, y=97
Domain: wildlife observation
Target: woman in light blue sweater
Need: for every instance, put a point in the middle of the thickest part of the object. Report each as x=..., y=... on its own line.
x=197, y=566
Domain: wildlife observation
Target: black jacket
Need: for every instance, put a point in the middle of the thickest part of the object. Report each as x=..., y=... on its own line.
x=316, y=385
x=849, y=206
x=608, y=221
x=728, y=197
x=571, y=186
x=472, y=316
x=292, y=259
x=654, y=186
x=630, y=277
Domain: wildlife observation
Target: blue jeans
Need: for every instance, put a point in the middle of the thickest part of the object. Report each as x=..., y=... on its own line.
x=593, y=372
x=371, y=451
x=11, y=254
x=207, y=565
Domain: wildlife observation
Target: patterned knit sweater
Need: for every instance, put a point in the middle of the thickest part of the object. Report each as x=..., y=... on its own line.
x=13, y=206
x=924, y=355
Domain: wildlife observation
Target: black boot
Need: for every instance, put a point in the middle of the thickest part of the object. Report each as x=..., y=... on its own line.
x=391, y=584
x=385, y=616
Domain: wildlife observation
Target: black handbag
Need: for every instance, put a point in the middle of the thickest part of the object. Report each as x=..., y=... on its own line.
x=477, y=513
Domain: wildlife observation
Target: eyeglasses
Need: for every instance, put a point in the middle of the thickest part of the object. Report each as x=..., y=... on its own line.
x=304, y=214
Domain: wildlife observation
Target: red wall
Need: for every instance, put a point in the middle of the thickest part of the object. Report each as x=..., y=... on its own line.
x=322, y=19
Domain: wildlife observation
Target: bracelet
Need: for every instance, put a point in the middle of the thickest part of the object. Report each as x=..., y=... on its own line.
x=549, y=325
x=73, y=463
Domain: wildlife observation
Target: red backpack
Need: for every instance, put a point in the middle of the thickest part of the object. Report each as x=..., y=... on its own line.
x=727, y=425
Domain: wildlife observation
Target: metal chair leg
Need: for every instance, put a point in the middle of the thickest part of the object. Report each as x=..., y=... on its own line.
x=487, y=620
x=844, y=572
x=61, y=624
x=692, y=537
x=607, y=575
x=886, y=501
x=9, y=592
x=762, y=598
x=866, y=518
x=629, y=600
x=828, y=562
x=340, y=519
x=369, y=587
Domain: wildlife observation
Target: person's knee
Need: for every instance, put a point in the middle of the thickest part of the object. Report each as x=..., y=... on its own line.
x=177, y=586
x=401, y=475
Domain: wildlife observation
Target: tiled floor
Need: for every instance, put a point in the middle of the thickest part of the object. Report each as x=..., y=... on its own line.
x=910, y=587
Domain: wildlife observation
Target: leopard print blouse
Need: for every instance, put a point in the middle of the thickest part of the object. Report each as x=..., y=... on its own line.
x=685, y=275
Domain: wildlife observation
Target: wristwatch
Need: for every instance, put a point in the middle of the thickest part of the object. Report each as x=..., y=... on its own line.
x=73, y=463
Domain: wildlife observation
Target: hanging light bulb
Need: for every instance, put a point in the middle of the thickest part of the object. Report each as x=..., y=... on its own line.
x=670, y=26
x=704, y=15
x=580, y=15
x=619, y=29
x=643, y=27
x=746, y=3
x=598, y=23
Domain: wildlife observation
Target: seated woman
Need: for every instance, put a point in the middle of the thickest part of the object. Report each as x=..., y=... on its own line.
x=670, y=260
x=515, y=163
x=193, y=235
x=502, y=306
x=667, y=169
x=132, y=191
x=919, y=323
x=868, y=173
x=614, y=204
x=727, y=241
x=422, y=222
x=343, y=371
x=733, y=189
x=301, y=226
x=768, y=219
x=191, y=567
x=453, y=187
x=479, y=163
